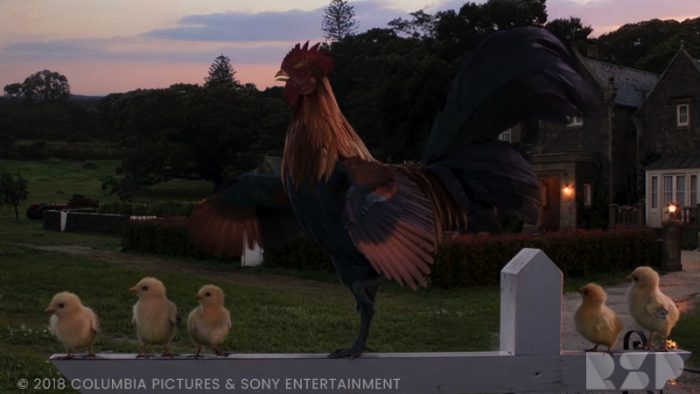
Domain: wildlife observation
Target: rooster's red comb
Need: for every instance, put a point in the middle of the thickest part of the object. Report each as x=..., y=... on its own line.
x=302, y=55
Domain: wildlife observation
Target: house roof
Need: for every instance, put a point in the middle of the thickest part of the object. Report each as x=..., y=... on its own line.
x=675, y=162
x=633, y=86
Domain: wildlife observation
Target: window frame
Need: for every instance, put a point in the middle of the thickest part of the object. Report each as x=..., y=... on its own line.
x=678, y=114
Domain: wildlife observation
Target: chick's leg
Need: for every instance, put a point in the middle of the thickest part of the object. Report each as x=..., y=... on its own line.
x=219, y=352
x=166, y=351
x=593, y=349
x=142, y=351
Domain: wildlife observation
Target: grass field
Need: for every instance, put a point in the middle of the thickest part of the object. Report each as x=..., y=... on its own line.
x=269, y=314
x=273, y=310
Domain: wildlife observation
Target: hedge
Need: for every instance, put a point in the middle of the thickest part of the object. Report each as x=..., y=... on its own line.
x=147, y=209
x=477, y=260
x=461, y=261
x=166, y=236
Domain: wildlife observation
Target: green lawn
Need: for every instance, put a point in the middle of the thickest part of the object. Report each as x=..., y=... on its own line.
x=273, y=310
x=274, y=315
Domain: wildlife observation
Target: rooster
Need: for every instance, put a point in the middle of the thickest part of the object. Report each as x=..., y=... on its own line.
x=382, y=221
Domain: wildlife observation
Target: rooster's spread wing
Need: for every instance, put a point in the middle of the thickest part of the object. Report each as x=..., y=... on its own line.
x=390, y=214
x=254, y=209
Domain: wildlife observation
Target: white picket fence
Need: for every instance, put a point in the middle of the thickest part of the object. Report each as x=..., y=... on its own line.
x=530, y=359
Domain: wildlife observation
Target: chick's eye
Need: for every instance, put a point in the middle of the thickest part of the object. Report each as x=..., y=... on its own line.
x=207, y=294
x=585, y=292
x=61, y=305
x=144, y=288
x=636, y=279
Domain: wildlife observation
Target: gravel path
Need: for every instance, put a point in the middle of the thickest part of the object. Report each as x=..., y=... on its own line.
x=682, y=286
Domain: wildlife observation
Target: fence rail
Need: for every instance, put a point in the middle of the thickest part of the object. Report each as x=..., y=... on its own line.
x=530, y=358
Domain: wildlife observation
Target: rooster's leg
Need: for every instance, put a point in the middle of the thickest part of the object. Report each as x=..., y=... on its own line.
x=365, y=293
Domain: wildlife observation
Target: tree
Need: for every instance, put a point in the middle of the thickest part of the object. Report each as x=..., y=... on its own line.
x=46, y=86
x=569, y=30
x=421, y=25
x=13, y=90
x=222, y=74
x=190, y=132
x=338, y=20
x=13, y=190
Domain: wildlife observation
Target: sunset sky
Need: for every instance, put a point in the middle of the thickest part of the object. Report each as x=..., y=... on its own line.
x=116, y=46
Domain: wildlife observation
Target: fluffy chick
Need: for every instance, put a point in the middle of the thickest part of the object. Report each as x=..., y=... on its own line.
x=72, y=323
x=594, y=320
x=650, y=308
x=155, y=316
x=210, y=322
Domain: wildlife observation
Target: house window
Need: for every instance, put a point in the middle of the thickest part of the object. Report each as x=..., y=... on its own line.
x=680, y=190
x=668, y=190
x=506, y=136
x=682, y=115
x=654, y=192
x=693, y=190
x=587, y=195
x=574, y=121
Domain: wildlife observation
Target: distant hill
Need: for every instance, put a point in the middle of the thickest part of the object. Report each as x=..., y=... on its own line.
x=650, y=45
x=82, y=98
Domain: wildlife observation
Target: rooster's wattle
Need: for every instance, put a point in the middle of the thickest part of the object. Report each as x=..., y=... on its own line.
x=383, y=221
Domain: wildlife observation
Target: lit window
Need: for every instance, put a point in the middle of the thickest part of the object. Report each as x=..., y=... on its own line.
x=587, y=195
x=682, y=115
x=668, y=190
x=655, y=192
x=574, y=121
x=506, y=136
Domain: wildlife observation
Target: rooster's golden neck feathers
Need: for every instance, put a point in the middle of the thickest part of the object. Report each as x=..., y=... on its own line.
x=319, y=136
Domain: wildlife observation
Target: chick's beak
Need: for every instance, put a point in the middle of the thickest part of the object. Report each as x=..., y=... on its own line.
x=628, y=278
x=199, y=297
x=281, y=76
x=133, y=289
x=49, y=309
x=580, y=290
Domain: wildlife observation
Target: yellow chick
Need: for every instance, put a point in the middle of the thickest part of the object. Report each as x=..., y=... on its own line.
x=650, y=308
x=155, y=316
x=72, y=323
x=210, y=322
x=594, y=320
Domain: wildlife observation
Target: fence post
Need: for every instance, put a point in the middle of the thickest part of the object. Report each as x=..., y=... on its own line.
x=671, y=237
x=531, y=293
x=640, y=211
x=612, y=213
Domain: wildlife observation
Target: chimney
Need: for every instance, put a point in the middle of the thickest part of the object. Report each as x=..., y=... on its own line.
x=592, y=51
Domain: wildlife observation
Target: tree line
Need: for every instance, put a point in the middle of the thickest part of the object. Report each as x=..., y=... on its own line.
x=390, y=83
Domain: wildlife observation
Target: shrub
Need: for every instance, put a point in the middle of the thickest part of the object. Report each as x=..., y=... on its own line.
x=477, y=260
x=467, y=260
x=166, y=209
x=167, y=236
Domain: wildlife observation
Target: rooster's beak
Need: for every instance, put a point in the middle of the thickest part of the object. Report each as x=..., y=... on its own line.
x=281, y=76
